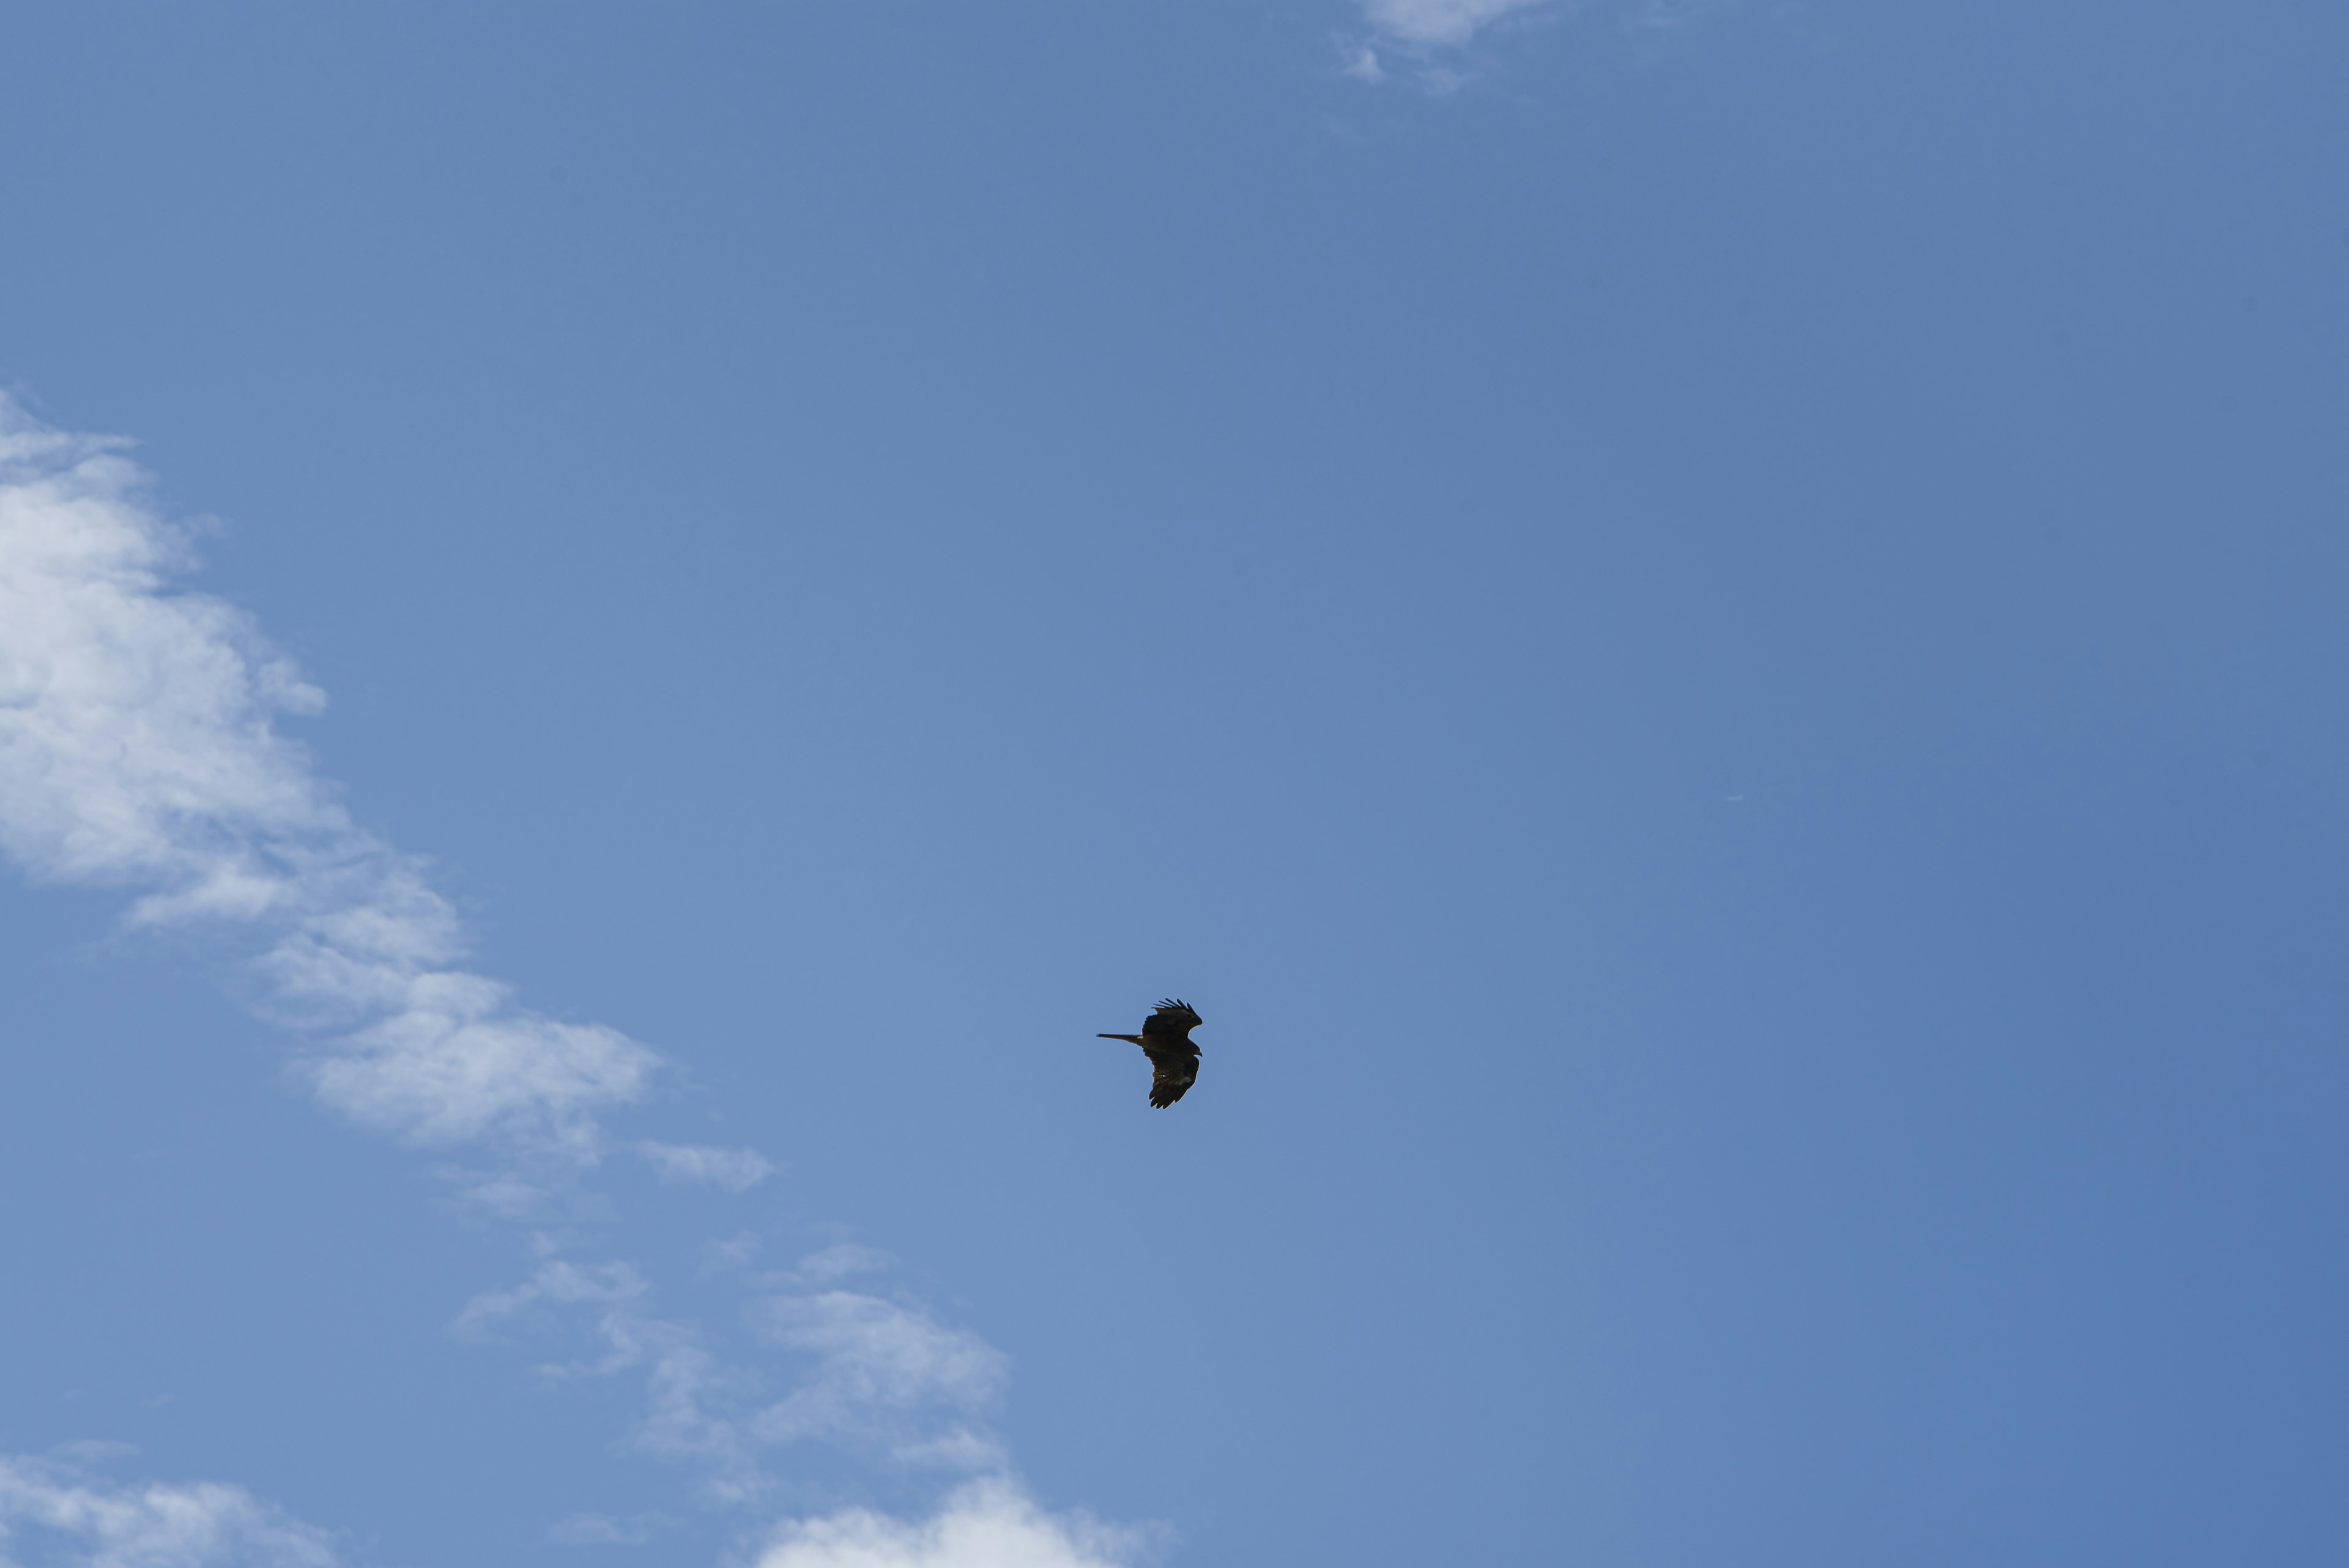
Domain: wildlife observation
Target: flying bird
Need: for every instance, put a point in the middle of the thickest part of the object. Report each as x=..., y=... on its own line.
x=1166, y=1039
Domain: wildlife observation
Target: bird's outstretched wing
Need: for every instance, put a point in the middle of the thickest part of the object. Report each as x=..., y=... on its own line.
x=1171, y=1074
x=1171, y=1024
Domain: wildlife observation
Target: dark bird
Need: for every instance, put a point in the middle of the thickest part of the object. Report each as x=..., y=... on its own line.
x=1166, y=1039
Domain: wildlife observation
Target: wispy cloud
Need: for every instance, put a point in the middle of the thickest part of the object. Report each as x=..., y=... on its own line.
x=64, y=1514
x=990, y=1521
x=138, y=749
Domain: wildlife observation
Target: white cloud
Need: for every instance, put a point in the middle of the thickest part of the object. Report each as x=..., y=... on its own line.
x=735, y=1169
x=989, y=1523
x=1444, y=23
x=138, y=749
x=88, y=1521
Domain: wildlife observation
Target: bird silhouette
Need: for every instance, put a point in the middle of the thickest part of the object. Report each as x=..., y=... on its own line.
x=1166, y=1039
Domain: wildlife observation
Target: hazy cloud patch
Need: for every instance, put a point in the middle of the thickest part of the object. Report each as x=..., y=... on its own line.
x=884, y=1373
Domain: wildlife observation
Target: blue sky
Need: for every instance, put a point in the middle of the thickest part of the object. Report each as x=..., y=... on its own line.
x=1708, y=634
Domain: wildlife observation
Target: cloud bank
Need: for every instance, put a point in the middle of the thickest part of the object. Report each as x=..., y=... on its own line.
x=61, y=1514
x=138, y=749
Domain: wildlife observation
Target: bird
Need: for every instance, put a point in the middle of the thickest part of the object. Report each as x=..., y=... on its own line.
x=1166, y=1039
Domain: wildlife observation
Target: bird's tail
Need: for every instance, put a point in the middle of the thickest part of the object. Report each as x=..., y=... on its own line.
x=1130, y=1039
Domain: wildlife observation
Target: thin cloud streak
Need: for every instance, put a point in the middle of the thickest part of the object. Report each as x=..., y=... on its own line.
x=138, y=749
x=603, y=1530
